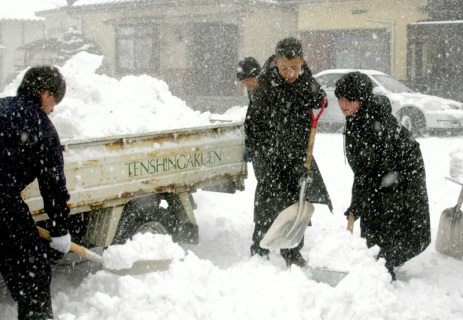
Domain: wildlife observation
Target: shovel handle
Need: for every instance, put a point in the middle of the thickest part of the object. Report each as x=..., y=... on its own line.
x=90, y=255
x=460, y=200
x=350, y=223
x=313, y=131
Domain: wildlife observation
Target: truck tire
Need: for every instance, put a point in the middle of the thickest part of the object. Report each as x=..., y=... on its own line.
x=144, y=215
x=413, y=120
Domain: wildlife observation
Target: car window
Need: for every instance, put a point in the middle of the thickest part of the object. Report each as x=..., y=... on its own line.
x=329, y=80
x=392, y=84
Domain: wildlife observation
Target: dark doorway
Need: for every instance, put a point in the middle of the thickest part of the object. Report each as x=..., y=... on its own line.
x=347, y=49
x=434, y=58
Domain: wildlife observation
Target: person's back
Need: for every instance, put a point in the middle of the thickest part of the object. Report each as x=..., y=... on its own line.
x=24, y=129
x=30, y=149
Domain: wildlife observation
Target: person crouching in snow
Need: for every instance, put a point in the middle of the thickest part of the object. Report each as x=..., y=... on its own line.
x=389, y=191
x=30, y=148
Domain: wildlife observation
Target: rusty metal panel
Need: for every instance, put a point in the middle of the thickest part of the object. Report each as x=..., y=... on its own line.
x=102, y=173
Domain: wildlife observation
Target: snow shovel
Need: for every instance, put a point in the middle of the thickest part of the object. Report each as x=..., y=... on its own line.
x=323, y=275
x=449, y=239
x=289, y=226
x=138, y=267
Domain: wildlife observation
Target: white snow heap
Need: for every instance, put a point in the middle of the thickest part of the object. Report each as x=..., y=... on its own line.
x=98, y=106
x=142, y=247
x=456, y=164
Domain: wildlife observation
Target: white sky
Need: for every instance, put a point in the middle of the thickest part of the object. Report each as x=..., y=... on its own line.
x=25, y=9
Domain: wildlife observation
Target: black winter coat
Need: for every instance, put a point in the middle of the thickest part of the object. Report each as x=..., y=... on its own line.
x=389, y=190
x=30, y=148
x=277, y=130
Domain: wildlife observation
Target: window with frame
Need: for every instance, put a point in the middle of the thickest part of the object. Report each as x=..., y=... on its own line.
x=137, y=49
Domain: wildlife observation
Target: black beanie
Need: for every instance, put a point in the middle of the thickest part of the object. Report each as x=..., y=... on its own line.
x=354, y=86
x=247, y=68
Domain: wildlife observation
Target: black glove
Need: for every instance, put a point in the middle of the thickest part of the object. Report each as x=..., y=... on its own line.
x=352, y=211
x=247, y=156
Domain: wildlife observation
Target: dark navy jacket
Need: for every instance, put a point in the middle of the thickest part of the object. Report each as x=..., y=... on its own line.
x=30, y=148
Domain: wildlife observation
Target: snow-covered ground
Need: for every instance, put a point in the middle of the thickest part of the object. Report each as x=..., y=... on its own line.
x=217, y=279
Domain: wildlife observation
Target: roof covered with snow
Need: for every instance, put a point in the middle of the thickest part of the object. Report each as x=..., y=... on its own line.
x=26, y=9
x=80, y=3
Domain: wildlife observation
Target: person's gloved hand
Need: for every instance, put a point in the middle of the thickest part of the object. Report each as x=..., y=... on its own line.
x=61, y=244
x=247, y=156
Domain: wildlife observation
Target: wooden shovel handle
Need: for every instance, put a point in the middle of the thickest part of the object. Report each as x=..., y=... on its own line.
x=45, y=234
x=460, y=200
x=350, y=223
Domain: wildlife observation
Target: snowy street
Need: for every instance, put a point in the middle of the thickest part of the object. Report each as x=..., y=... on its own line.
x=218, y=279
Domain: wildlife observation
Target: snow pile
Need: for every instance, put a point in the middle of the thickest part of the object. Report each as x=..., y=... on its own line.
x=456, y=164
x=142, y=247
x=100, y=106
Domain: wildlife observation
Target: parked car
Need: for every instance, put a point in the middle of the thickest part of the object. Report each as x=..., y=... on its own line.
x=415, y=111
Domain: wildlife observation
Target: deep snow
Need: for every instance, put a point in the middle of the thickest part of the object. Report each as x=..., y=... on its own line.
x=217, y=279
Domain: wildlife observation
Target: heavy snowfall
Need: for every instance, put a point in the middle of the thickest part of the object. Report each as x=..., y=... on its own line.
x=217, y=279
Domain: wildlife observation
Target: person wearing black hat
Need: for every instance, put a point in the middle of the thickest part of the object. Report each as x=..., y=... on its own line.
x=389, y=192
x=247, y=73
x=278, y=135
x=30, y=149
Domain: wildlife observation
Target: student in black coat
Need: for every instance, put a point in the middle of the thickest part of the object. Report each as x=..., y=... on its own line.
x=389, y=191
x=30, y=148
x=277, y=134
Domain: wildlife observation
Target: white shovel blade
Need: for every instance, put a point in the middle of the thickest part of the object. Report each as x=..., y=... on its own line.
x=449, y=239
x=323, y=275
x=288, y=229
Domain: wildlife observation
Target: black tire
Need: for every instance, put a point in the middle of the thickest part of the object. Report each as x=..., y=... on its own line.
x=413, y=120
x=144, y=215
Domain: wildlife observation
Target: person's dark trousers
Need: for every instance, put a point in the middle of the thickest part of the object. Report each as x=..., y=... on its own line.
x=24, y=264
x=260, y=229
x=27, y=274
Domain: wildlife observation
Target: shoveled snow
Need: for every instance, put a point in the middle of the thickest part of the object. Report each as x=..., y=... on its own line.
x=142, y=247
x=217, y=279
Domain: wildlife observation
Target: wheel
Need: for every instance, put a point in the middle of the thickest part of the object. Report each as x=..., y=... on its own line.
x=152, y=227
x=413, y=120
x=144, y=215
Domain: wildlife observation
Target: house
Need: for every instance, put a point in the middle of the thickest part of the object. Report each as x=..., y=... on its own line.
x=435, y=57
x=20, y=31
x=359, y=34
x=194, y=45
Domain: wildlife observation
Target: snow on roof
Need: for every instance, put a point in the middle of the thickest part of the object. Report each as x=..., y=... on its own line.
x=26, y=9
x=80, y=3
x=93, y=2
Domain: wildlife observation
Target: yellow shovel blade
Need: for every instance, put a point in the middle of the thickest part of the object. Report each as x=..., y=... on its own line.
x=289, y=227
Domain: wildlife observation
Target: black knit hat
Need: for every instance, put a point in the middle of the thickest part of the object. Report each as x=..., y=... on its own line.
x=354, y=86
x=247, y=68
x=42, y=78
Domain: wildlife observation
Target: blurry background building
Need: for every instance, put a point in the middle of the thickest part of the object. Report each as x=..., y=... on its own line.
x=194, y=45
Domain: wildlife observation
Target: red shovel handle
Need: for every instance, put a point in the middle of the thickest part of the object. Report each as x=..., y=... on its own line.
x=315, y=119
x=308, y=161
